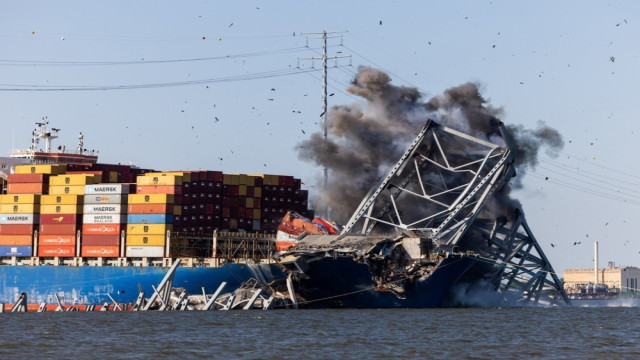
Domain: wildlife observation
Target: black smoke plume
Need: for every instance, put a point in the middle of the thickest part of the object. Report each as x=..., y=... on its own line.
x=366, y=140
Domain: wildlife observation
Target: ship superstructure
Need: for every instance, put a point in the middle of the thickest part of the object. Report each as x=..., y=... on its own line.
x=36, y=154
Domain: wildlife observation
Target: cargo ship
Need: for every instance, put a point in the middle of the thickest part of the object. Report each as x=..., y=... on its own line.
x=438, y=230
x=84, y=231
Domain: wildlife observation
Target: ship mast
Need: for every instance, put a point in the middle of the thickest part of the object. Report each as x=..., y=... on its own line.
x=41, y=132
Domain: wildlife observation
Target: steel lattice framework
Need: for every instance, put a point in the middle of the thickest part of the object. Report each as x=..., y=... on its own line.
x=448, y=187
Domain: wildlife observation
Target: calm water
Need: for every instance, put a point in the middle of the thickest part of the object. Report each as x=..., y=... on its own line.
x=514, y=333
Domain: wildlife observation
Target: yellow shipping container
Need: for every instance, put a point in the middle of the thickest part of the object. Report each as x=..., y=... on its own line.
x=113, y=176
x=20, y=199
x=40, y=169
x=251, y=180
x=19, y=208
x=249, y=203
x=177, y=210
x=257, y=192
x=61, y=190
x=142, y=240
x=230, y=179
x=155, y=179
x=151, y=199
x=256, y=214
x=271, y=180
x=242, y=179
x=148, y=229
x=186, y=175
x=75, y=179
x=62, y=199
x=242, y=190
x=61, y=209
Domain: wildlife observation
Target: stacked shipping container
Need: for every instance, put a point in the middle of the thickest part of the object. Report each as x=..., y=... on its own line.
x=104, y=219
x=21, y=207
x=179, y=202
x=150, y=213
x=281, y=194
x=18, y=220
x=61, y=214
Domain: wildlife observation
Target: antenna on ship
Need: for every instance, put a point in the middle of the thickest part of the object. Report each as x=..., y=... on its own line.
x=80, y=143
x=324, y=36
x=41, y=132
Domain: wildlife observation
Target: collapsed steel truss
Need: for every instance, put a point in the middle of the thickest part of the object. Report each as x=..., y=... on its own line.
x=448, y=187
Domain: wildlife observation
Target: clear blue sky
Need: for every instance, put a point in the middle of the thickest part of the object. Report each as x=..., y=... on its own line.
x=572, y=64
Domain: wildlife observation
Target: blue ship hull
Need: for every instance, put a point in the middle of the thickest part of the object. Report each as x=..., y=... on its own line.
x=92, y=285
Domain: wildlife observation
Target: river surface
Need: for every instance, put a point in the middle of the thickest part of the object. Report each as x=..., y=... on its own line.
x=475, y=333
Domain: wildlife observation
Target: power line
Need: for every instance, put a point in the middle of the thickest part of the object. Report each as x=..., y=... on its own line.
x=245, y=77
x=145, y=62
x=590, y=174
x=583, y=189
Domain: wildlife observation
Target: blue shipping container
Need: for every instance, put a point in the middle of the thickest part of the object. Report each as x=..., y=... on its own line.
x=150, y=219
x=22, y=251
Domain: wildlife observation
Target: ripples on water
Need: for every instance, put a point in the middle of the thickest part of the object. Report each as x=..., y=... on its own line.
x=512, y=333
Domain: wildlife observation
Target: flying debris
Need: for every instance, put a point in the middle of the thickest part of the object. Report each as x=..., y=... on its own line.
x=612, y=59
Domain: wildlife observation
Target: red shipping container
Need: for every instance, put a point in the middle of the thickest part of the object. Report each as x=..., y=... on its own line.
x=62, y=240
x=60, y=218
x=249, y=213
x=208, y=209
x=101, y=229
x=17, y=229
x=257, y=182
x=213, y=176
x=100, y=240
x=100, y=251
x=28, y=178
x=27, y=188
x=59, y=251
x=150, y=209
x=58, y=229
x=257, y=203
x=229, y=201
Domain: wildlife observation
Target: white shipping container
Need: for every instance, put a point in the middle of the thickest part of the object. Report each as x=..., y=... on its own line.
x=104, y=219
x=19, y=218
x=145, y=251
x=104, y=209
x=105, y=199
x=107, y=189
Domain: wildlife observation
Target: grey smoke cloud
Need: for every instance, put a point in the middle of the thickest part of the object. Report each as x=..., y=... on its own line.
x=366, y=139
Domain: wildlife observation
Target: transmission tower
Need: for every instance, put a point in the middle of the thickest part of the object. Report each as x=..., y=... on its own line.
x=324, y=36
